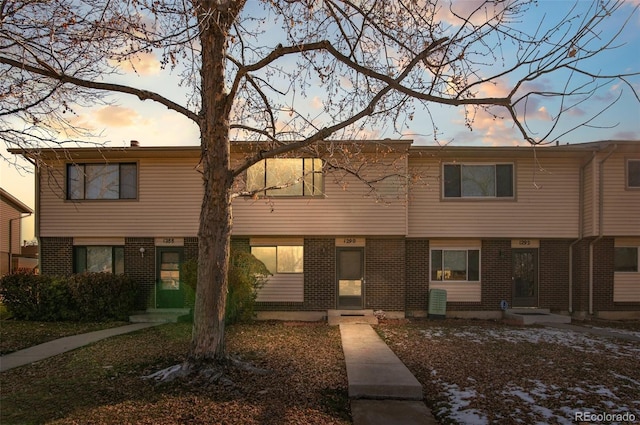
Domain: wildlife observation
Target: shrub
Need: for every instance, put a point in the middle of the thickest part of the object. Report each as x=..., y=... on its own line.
x=246, y=276
x=86, y=297
x=103, y=296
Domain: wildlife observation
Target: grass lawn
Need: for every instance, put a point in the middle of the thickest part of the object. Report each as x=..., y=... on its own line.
x=472, y=372
x=101, y=383
x=481, y=372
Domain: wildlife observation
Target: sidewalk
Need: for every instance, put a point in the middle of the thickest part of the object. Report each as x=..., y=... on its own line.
x=62, y=345
x=381, y=388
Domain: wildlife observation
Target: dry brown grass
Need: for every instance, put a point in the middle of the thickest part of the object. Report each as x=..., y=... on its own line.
x=489, y=372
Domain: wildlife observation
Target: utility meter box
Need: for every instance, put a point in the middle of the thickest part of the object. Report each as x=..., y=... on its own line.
x=437, y=304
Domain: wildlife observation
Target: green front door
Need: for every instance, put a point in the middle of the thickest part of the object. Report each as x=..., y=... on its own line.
x=169, y=291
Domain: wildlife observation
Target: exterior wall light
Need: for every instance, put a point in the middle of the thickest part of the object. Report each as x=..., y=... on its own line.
x=142, y=252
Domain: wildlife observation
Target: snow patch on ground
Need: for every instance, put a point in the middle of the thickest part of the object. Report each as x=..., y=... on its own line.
x=537, y=393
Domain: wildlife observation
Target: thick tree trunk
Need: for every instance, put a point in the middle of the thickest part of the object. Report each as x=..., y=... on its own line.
x=207, y=343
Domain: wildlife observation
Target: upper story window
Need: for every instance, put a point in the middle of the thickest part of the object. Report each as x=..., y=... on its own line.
x=286, y=177
x=102, y=181
x=478, y=181
x=633, y=173
x=626, y=259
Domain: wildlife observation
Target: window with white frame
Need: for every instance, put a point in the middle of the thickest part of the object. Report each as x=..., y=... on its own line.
x=455, y=265
x=286, y=177
x=626, y=259
x=97, y=259
x=633, y=173
x=281, y=258
x=477, y=181
x=102, y=181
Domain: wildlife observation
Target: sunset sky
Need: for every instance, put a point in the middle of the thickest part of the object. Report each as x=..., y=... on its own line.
x=153, y=125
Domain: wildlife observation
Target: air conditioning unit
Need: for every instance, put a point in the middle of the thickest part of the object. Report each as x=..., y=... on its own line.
x=437, y=304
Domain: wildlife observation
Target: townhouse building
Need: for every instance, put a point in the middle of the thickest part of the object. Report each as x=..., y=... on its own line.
x=364, y=225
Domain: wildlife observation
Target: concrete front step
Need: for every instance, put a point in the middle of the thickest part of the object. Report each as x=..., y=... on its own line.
x=531, y=316
x=161, y=315
x=336, y=317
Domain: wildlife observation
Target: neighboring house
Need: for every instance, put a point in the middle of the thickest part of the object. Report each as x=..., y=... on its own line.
x=12, y=211
x=553, y=227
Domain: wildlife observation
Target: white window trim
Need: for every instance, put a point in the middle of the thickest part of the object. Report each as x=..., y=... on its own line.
x=626, y=174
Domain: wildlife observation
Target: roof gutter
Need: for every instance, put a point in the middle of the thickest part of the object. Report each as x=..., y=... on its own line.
x=600, y=222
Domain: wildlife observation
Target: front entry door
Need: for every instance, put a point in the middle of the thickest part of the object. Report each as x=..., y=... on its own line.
x=169, y=292
x=525, y=277
x=350, y=270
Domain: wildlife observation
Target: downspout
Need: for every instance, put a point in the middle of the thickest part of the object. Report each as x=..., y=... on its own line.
x=36, y=171
x=600, y=222
x=580, y=227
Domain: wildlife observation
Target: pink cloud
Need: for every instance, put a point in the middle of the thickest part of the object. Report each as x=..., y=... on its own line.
x=116, y=116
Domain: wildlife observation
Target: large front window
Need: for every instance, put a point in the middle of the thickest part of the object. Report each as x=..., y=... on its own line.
x=626, y=259
x=96, y=259
x=478, y=181
x=286, y=177
x=102, y=181
x=455, y=265
x=281, y=258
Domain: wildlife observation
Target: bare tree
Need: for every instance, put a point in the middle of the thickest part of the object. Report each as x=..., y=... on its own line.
x=253, y=66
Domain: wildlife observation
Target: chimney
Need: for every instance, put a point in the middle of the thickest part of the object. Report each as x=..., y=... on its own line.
x=135, y=144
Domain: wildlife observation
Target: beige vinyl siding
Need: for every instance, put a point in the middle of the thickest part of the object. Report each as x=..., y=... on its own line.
x=590, y=199
x=283, y=287
x=545, y=204
x=167, y=187
x=348, y=207
x=626, y=285
x=7, y=213
x=460, y=292
x=621, y=214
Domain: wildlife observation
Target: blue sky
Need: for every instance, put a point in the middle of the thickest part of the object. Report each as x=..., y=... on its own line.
x=153, y=125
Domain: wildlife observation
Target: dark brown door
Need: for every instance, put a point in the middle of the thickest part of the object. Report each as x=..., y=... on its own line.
x=350, y=270
x=525, y=277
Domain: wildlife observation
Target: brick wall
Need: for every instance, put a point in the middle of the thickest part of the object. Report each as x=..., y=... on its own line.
x=385, y=274
x=141, y=269
x=603, y=275
x=553, y=274
x=190, y=248
x=319, y=274
x=417, y=275
x=580, y=290
x=496, y=271
x=56, y=256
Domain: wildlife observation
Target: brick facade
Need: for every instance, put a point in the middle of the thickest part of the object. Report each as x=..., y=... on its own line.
x=553, y=275
x=56, y=256
x=397, y=273
x=416, y=275
x=320, y=291
x=385, y=274
x=141, y=268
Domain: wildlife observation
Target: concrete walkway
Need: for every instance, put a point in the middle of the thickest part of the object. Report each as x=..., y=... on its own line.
x=381, y=388
x=62, y=345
